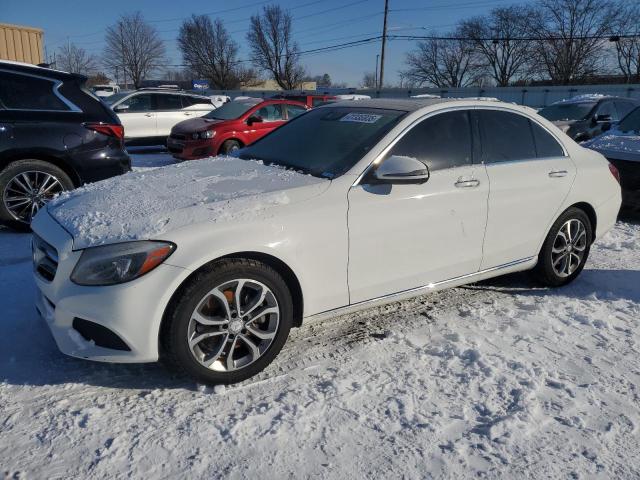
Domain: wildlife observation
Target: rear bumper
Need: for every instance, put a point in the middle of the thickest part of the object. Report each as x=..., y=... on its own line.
x=102, y=164
x=631, y=198
x=607, y=215
x=132, y=312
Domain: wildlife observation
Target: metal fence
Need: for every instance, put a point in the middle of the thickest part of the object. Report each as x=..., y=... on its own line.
x=531, y=96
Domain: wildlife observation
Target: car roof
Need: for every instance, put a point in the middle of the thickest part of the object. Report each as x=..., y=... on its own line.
x=404, y=104
x=31, y=69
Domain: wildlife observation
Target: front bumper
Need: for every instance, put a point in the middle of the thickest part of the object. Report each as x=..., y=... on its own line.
x=187, y=149
x=132, y=311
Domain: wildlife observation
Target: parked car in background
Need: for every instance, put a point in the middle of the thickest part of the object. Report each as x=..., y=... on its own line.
x=310, y=100
x=586, y=116
x=54, y=136
x=105, y=90
x=350, y=205
x=230, y=127
x=621, y=146
x=149, y=114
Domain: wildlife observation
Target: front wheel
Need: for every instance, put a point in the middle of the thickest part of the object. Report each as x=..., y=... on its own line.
x=229, y=322
x=566, y=249
x=230, y=146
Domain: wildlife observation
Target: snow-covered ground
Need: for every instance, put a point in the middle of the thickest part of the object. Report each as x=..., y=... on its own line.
x=499, y=379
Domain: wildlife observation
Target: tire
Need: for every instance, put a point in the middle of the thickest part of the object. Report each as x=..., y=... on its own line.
x=567, y=267
x=196, y=297
x=229, y=146
x=15, y=175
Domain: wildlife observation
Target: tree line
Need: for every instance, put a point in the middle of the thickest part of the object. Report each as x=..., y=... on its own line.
x=560, y=41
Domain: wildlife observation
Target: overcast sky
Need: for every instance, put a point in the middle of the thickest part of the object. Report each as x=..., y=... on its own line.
x=316, y=24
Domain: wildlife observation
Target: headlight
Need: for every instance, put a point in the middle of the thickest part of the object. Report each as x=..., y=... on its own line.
x=207, y=134
x=119, y=263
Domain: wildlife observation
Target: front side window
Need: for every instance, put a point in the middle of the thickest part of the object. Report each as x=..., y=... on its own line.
x=168, y=102
x=607, y=108
x=624, y=108
x=567, y=111
x=442, y=141
x=325, y=142
x=631, y=123
x=270, y=113
x=139, y=103
x=24, y=92
x=505, y=136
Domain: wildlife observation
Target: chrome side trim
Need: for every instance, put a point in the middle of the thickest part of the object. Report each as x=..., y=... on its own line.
x=414, y=292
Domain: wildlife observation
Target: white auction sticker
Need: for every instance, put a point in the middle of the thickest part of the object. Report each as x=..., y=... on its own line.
x=360, y=118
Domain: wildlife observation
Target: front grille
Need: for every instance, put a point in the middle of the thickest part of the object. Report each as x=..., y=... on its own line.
x=45, y=258
x=178, y=136
x=629, y=173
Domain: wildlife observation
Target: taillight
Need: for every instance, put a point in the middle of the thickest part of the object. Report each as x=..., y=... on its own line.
x=614, y=171
x=111, y=130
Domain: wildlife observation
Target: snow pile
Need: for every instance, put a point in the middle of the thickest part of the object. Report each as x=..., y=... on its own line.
x=144, y=204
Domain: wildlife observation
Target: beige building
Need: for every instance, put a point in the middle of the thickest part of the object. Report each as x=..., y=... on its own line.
x=21, y=44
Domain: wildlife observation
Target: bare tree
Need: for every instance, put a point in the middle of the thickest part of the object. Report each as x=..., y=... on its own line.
x=628, y=49
x=495, y=38
x=442, y=63
x=272, y=46
x=210, y=52
x=369, y=80
x=568, y=37
x=74, y=59
x=133, y=47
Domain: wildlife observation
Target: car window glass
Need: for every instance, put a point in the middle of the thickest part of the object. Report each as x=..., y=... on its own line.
x=190, y=101
x=442, y=141
x=138, y=103
x=546, y=145
x=317, y=101
x=168, y=102
x=22, y=92
x=623, y=108
x=295, y=110
x=607, y=108
x=505, y=137
x=270, y=113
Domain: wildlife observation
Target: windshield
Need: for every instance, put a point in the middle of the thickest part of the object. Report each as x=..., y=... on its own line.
x=567, y=111
x=325, y=142
x=231, y=110
x=114, y=98
x=630, y=123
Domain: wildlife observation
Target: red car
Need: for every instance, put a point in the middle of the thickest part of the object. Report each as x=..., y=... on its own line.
x=309, y=100
x=230, y=127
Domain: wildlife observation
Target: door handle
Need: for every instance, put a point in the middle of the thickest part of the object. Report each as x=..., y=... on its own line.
x=558, y=173
x=148, y=114
x=187, y=114
x=467, y=183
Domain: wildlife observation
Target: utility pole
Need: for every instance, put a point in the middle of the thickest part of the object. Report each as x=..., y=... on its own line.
x=376, y=77
x=384, y=43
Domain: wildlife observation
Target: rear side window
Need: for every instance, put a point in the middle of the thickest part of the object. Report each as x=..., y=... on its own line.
x=442, y=141
x=270, y=113
x=295, y=110
x=505, y=137
x=24, y=92
x=168, y=102
x=546, y=145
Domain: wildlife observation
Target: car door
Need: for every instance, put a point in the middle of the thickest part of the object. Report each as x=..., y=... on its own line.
x=272, y=116
x=168, y=112
x=530, y=175
x=407, y=236
x=138, y=116
x=193, y=106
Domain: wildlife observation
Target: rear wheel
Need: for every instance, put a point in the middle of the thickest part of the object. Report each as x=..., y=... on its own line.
x=566, y=249
x=26, y=186
x=229, y=146
x=229, y=322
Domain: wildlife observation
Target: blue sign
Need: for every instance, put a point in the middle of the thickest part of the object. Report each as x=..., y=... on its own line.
x=200, y=84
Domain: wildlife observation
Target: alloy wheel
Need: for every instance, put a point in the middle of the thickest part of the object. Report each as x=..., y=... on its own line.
x=28, y=191
x=233, y=325
x=569, y=248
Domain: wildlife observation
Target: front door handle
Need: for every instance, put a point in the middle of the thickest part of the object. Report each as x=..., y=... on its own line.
x=558, y=173
x=148, y=114
x=187, y=114
x=467, y=183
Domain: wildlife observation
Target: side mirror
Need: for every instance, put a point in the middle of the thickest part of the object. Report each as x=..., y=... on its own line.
x=123, y=107
x=402, y=170
x=254, y=119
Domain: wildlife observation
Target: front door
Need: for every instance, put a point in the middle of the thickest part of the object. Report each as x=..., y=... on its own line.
x=169, y=112
x=408, y=236
x=272, y=117
x=139, y=118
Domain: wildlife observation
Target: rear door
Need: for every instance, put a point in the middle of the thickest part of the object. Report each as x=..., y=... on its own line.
x=139, y=118
x=529, y=176
x=169, y=112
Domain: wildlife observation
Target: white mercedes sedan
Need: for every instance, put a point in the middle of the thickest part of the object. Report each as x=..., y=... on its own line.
x=209, y=264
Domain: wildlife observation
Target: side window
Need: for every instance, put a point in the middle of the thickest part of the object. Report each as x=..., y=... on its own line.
x=442, y=141
x=505, y=136
x=139, y=103
x=316, y=101
x=624, y=108
x=23, y=92
x=295, y=110
x=168, y=102
x=190, y=101
x=546, y=145
x=607, y=108
x=271, y=113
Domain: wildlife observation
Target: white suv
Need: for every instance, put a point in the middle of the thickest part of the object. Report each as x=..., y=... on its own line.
x=209, y=264
x=149, y=114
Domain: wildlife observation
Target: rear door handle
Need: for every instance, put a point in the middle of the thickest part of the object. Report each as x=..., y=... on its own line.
x=558, y=173
x=467, y=183
x=148, y=114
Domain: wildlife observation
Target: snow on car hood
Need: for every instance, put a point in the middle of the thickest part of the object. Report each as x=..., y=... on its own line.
x=141, y=205
x=618, y=145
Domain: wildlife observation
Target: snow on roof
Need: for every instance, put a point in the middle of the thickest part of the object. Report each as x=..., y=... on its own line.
x=141, y=205
x=583, y=98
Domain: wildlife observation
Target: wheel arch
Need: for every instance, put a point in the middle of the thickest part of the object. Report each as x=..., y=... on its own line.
x=236, y=139
x=591, y=213
x=44, y=157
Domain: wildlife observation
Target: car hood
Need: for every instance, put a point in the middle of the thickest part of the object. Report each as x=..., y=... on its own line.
x=195, y=125
x=618, y=145
x=145, y=204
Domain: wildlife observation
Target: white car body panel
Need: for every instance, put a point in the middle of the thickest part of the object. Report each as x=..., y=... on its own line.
x=347, y=247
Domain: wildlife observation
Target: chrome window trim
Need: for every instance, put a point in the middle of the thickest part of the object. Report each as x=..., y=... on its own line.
x=55, y=89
